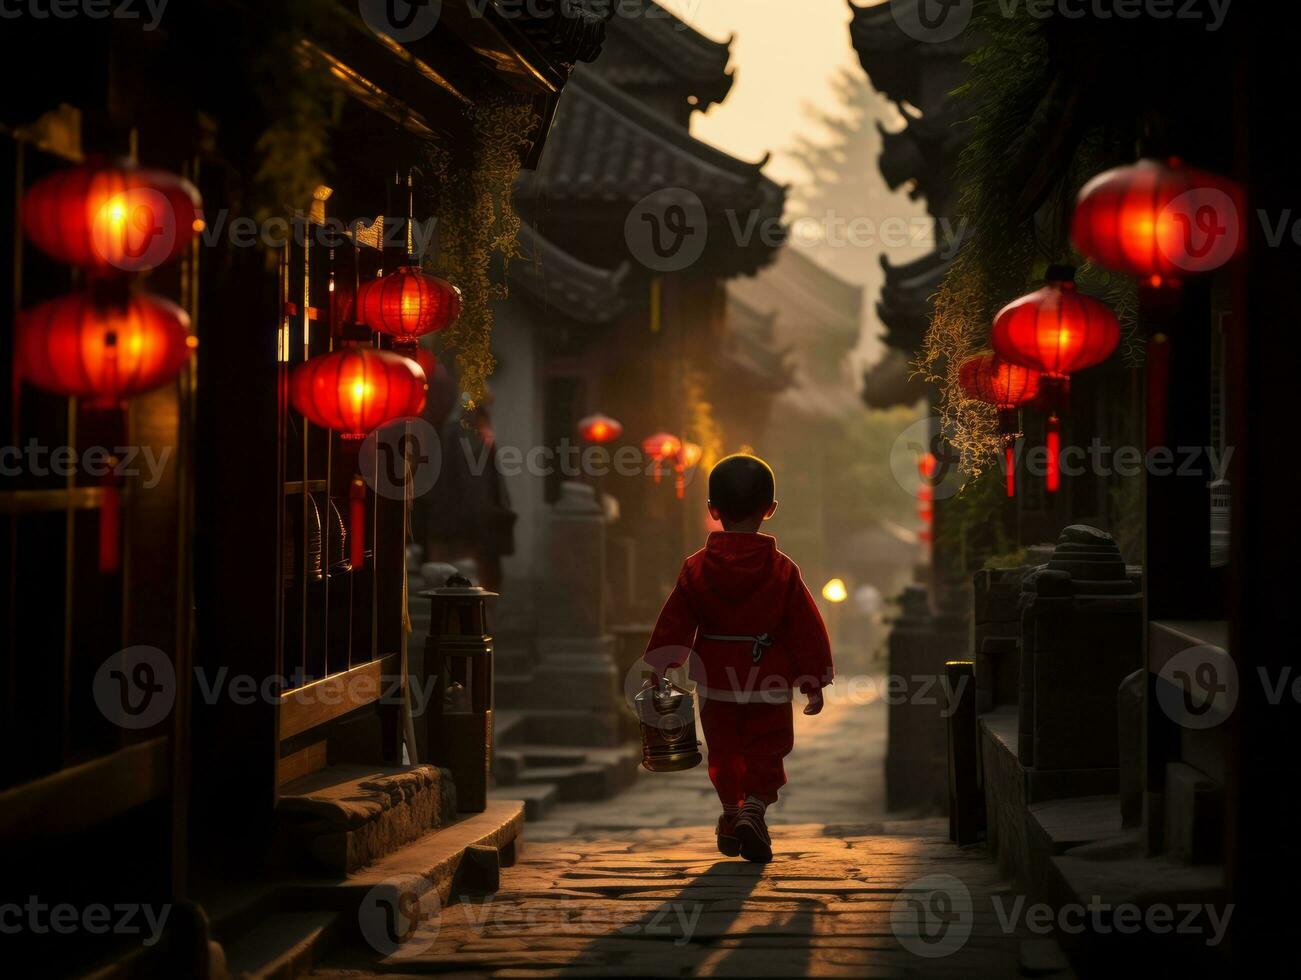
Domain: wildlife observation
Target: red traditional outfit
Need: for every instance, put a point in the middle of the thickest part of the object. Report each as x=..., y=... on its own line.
x=742, y=618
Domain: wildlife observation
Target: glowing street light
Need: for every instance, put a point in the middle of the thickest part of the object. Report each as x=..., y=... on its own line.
x=835, y=591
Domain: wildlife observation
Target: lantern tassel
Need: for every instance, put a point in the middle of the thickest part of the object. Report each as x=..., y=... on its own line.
x=1054, y=445
x=357, y=523
x=1009, y=457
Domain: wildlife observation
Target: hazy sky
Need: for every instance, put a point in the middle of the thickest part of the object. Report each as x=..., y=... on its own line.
x=785, y=53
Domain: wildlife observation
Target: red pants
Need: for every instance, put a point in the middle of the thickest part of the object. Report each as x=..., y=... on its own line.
x=747, y=743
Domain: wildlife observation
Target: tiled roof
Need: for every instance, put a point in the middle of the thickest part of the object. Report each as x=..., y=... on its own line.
x=907, y=299
x=565, y=30
x=896, y=61
x=558, y=281
x=890, y=382
x=673, y=53
x=607, y=146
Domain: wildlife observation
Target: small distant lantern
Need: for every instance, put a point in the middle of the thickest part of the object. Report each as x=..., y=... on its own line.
x=1159, y=221
x=599, y=429
x=667, y=716
x=109, y=216
x=835, y=591
x=665, y=448
x=406, y=304
x=988, y=378
x=692, y=453
x=458, y=660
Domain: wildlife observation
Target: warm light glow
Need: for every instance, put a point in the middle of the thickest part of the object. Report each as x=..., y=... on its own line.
x=691, y=454
x=357, y=389
x=408, y=303
x=835, y=591
x=1055, y=330
x=599, y=429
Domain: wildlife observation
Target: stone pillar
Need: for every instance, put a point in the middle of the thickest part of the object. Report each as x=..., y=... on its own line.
x=576, y=666
x=1082, y=630
x=996, y=635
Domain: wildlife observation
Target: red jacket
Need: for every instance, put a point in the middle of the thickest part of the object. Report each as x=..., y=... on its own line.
x=740, y=585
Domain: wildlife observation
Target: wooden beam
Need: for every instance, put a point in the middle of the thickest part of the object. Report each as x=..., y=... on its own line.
x=77, y=798
x=325, y=700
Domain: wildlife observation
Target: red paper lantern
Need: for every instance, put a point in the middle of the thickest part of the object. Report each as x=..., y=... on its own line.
x=599, y=429
x=112, y=215
x=1055, y=330
x=988, y=378
x=407, y=303
x=357, y=389
x=103, y=352
x=1159, y=221
x=663, y=447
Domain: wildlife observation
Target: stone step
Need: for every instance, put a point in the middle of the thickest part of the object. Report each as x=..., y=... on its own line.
x=344, y=817
x=513, y=690
x=538, y=798
x=575, y=728
x=508, y=765
x=600, y=774
x=280, y=930
x=283, y=945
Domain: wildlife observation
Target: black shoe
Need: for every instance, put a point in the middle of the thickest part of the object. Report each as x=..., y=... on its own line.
x=727, y=842
x=752, y=832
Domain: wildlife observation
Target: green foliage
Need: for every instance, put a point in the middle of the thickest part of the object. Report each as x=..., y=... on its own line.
x=1019, y=174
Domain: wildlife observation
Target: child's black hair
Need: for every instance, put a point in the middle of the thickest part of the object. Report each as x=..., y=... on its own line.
x=741, y=487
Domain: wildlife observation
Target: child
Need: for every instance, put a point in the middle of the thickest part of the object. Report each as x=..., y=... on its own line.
x=742, y=609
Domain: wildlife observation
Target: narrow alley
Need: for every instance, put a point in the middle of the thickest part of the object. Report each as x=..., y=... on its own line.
x=634, y=887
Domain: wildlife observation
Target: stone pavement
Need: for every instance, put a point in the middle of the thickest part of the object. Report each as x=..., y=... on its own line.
x=634, y=887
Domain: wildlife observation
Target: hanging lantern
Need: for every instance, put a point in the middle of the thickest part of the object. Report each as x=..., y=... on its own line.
x=354, y=391
x=599, y=429
x=1056, y=331
x=661, y=447
x=988, y=378
x=1159, y=221
x=103, y=352
x=112, y=215
x=357, y=389
x=407, y=304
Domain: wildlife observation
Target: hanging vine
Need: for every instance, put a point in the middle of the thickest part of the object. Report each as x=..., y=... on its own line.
x=1017, y=99
x=478, y=227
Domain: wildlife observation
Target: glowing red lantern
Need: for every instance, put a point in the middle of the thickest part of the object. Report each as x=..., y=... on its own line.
x=1007, y=386
x=102, y=352
x=1055, y=329
x=112, y=215
x=662, y=447
x=357, y=389
x=354, y=391
x=1159, y=221
x=599, y=429
x=407, y=303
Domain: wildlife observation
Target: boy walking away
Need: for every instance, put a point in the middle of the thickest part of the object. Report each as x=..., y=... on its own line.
x=743, y=618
